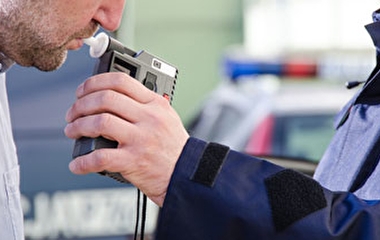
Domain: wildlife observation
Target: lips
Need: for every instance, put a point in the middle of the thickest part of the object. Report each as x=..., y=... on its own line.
x=74, y=44
x=78, y=37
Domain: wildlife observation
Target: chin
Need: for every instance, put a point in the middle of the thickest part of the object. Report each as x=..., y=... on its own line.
x=52, y=63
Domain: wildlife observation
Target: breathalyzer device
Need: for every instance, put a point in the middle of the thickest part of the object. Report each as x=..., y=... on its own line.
x=153, y=72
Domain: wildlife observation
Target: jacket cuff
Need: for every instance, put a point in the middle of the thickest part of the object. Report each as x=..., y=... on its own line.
x=186, y=164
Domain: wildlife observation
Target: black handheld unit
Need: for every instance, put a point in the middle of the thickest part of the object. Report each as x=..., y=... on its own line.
x=154, y=73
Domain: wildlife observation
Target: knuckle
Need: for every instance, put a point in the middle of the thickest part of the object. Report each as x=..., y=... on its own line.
x=78, y=124
x=108, y=98
x=158, y=106
x=102, y=121
x=82, y=165
x=119, y=78
x=76, y=107
x=162, y=102
x=101, y=159
x=87, y=85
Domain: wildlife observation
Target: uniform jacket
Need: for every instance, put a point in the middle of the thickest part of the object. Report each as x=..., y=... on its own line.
x=351, y=160
x=218, y=194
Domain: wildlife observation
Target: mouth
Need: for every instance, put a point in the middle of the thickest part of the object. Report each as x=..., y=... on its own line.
x=74, y=44
x=77, y=38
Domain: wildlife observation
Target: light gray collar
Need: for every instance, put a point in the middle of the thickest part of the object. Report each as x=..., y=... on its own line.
x=5, y=63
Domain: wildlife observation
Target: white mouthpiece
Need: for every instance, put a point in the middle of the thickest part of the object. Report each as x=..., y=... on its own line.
x=98, y=45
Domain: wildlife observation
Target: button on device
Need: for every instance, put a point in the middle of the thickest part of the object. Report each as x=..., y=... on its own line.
x=166, y=96
x=156, y=64
x=150, y=81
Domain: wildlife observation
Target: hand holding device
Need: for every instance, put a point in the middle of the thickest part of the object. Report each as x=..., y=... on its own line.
x=154, y=73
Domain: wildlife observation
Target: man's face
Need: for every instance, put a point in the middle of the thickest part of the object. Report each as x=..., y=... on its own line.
x=39, y=32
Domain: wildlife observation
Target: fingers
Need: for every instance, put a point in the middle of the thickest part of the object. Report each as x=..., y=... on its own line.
x=149, y=132
x=107, y=104
x=105, y=101
x=92, y=162
x=97, y=161
x=139, y=168
x=106, y=125
x=119, y=82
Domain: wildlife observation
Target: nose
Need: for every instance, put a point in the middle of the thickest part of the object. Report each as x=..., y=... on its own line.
x=109, y=14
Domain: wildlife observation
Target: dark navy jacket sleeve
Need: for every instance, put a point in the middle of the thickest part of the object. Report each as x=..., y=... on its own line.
x=216, y=194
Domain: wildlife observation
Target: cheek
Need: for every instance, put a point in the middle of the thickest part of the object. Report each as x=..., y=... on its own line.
x=64, y=22
x=68, y=27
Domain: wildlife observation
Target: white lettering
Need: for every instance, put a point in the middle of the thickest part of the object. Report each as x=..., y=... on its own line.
x=86, y=213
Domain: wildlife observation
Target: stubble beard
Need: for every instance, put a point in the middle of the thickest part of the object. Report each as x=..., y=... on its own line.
x=32, y=42
x=46, y=56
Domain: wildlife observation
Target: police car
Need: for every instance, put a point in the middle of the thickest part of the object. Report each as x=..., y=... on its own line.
x=279, y=110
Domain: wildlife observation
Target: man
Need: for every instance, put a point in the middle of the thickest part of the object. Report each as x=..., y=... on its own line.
x=208, y=191
x=39, y=33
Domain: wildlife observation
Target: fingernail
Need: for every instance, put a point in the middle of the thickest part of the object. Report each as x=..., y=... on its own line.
x=66, y=130
x=80, y=90
x=68, y=115
x=72, y=166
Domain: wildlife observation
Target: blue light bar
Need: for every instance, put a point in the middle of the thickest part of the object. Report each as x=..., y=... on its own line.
x=235, y=68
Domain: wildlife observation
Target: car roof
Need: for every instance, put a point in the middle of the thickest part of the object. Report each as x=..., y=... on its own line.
x=313, y=97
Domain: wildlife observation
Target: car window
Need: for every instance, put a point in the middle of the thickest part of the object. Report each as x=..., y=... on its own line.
x=302, y=136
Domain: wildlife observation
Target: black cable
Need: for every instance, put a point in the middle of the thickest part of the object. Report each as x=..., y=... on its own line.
x=143, y=217
x=137, y=214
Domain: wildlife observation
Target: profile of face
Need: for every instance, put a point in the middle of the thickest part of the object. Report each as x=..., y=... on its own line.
x=39, y=33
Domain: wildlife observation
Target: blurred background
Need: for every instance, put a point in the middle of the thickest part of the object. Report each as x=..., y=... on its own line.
x=264, y=77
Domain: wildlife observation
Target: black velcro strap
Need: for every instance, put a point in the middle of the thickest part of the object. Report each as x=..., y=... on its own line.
x=210, y=164
x=293, y=196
